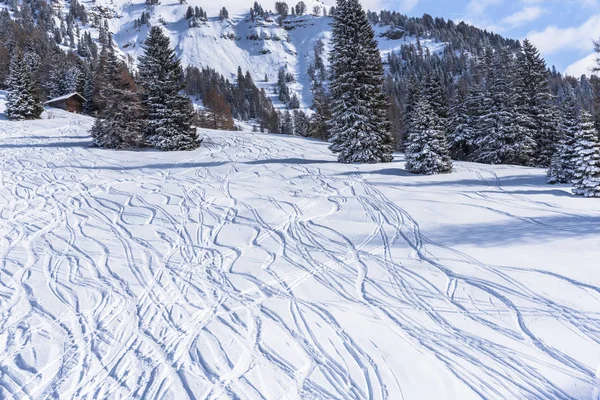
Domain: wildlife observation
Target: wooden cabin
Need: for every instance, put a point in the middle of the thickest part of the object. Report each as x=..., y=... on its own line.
x=72, y=102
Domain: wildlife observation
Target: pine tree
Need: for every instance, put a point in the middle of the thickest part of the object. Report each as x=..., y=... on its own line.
x=294, y=102
x=223, y=14
x=21, y=99
x=169, y=114
x=505, y=137
x=118, y=125
x=73, y=79
x=300, y=8
x=586, y=179
x=284, y=90
x=562, y=167
x=319, y=122
x=460, y=128
x=536, y=101
x=359, y=127
x=56, y=84
x=426, y=147
x=301, y=124
x=413, y=90
x=88, y=88
x=189, y=13
x=475, y=111
x=435, y=93
x=287, y=123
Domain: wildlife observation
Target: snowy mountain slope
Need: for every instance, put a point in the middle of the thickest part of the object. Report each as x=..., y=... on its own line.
x=257, y=267
x=260, y=46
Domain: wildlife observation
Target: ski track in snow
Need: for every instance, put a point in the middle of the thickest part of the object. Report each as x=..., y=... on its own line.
x=257, y=268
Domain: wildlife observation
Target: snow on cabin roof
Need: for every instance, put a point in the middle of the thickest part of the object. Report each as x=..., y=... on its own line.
x=66, y=96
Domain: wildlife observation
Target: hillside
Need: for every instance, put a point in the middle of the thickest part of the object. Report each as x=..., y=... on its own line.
x=258, y=45
x=258, y=267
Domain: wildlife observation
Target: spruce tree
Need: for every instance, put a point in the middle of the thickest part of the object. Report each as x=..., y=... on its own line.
x=223, y=14
x=319, y=122
x=536, y=101
x=426, y=146
x=301, y=124
x=284, y=90
x=88, y=88
x=460, y=128
x=21, y=99
x=505, y=135
x=73, y=80
x=586, y=179
x=118, y=125
x=562, y=167
x=476, y=111
x=169, y=114
x=287, y=123
x=359, y=127
x=294, y=102
x=435, y=93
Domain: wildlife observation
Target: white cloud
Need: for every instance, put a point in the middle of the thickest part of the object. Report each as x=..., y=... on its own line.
x=554, y=39
x=523, y=16
x=398, y=5
x=583, y=66
x=477, y=7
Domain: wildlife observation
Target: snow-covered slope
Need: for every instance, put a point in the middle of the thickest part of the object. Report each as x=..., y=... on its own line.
x=258, y=268
x=259, y=46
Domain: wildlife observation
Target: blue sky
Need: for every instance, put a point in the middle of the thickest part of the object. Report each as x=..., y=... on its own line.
x=562, y=30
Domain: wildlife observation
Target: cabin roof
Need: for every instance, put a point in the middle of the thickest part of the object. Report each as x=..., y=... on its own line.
x=65, y=97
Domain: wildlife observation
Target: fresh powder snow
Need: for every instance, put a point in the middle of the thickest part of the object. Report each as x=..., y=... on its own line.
x=256, y=267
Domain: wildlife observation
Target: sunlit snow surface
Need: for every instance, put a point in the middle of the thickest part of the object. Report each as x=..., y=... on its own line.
x=257, y=267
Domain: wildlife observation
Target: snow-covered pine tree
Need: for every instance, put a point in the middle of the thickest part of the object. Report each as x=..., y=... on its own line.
x=426, y=146
x=413, y=90
x=118, y=125
x=436, y=95
x=562, y=166
x=460, y=128
x=542, y=110
x=88, y=87
x=21, y=98
x=319, y=122
x=505, y=137
x=586, y=179
x=169, y=114
x=99, y=80
x=475, y=111
x=294, y=102
x=223, y=14
x=320, y=70
x=301, y=123
x=287, y=123
x=359, y=127
x=73, y=79
x=536, y=101
x=284, y=90
x=56, y=84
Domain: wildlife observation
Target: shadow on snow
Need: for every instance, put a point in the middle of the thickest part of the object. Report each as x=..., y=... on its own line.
x=81, y=143
x=536, y=230
x=292, y=160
